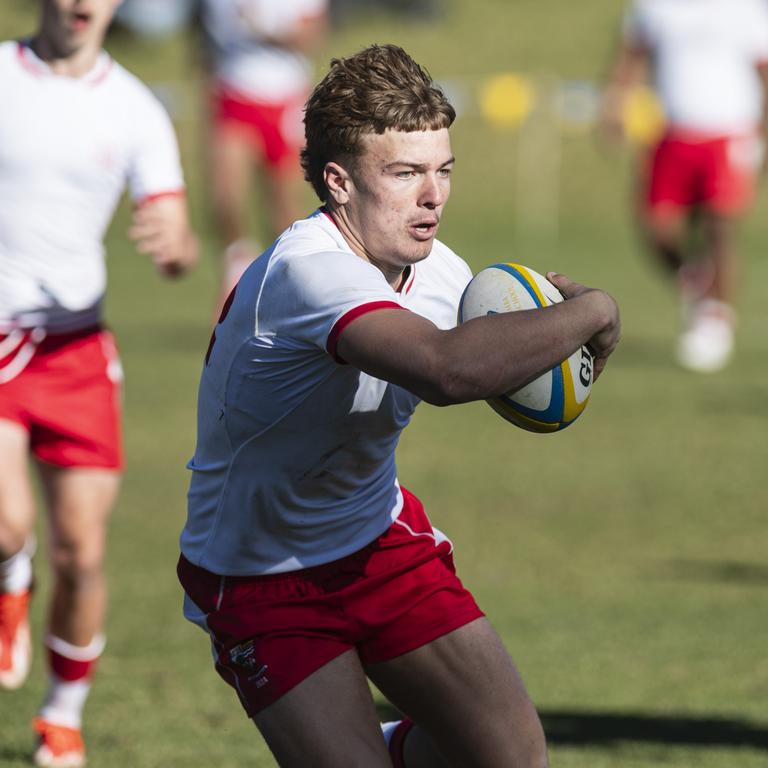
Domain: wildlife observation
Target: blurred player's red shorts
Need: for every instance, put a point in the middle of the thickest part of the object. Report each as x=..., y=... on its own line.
x=275, y=130
x=68, y=397
x=271, y=632
x=687, y=169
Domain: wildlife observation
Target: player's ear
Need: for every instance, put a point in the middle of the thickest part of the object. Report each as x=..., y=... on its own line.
x=338, y=182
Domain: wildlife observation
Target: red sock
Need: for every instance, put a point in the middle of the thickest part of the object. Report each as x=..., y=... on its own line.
x=69, y=662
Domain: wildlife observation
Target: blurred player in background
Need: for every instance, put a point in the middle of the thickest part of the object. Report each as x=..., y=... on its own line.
x=74, y=127
x=302, y=556
x=260, y=76
x=710, y=65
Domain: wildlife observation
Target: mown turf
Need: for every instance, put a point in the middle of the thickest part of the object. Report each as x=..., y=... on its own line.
x=622, y=560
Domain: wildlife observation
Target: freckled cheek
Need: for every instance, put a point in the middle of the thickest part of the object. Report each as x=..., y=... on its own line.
x=394, y=216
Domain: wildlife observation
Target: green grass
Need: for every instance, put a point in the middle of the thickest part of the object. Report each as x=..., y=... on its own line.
x=623, y=560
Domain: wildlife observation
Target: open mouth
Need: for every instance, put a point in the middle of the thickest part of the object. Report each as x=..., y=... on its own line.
x=80, y=20
x=425, y=229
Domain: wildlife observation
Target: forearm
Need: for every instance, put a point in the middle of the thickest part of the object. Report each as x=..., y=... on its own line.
x=305, y=36
x=483, y=357
x=500, y=353
x=628, y=72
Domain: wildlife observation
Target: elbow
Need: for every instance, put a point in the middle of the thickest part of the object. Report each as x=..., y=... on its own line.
x=455, y=385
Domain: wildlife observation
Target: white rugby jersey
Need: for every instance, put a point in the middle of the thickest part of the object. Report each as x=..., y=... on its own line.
x=243, y=61
x=705, y=54
x=294, y=464
x=67, y=147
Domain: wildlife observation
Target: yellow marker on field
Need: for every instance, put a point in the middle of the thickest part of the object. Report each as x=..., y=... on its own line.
x=643, y=116
x=506, y=100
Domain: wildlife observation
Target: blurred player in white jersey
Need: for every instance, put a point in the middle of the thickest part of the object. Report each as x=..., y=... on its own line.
x=302, y=556
x=710, y=68
x=75, y=126
x=260, y=76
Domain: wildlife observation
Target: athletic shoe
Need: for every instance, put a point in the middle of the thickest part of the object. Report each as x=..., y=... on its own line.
x=706, y=344
x=58, y=746
x=15, y=646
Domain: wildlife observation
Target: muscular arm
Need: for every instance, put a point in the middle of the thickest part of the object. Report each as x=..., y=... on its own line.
x=161, y=230
x=762, y=71
x=629, y=70
x=304, y=36
x=486, y=356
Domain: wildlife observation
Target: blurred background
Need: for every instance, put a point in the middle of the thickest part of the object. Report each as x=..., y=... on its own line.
x=623, y=560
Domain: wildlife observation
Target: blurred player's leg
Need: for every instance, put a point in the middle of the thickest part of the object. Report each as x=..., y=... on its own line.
x=664, y=229
x=706, y=343
x=285, y=197
x=231, y=168
x=328, y=720
x=721, y=233
x=464, y=691
x=79, y=501
x=16, y=521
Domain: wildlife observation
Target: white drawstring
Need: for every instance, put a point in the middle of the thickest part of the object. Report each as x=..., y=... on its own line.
x=22, y=345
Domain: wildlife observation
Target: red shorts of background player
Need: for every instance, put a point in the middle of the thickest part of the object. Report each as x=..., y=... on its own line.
x=687, y=169
x=274, y=130
x=271, y=632
x=67, y=397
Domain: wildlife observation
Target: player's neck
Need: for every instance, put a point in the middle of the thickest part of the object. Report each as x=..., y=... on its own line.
x=338, y=214
x=67, y=63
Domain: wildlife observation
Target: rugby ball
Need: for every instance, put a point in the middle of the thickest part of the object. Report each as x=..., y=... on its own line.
x=556, y=398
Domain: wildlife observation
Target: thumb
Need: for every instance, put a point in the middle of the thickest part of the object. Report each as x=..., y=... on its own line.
x=565, y=285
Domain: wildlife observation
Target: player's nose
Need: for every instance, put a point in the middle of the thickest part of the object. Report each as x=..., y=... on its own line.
x=434, y=191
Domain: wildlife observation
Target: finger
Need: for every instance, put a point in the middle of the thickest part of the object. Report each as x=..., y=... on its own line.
x=599, y=366
x=565, y=285
x=156, y=247
x=143, y=232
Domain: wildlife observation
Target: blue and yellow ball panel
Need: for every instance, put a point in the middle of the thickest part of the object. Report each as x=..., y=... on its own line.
x=556, y=398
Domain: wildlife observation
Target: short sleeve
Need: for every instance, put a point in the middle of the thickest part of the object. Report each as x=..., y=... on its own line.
x=155, y=166
x=307, y=300
x=758, y=33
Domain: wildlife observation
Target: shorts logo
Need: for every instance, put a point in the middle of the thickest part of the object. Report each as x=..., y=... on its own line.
x=244, y=655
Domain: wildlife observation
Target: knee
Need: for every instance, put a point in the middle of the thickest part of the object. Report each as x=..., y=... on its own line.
x=16, y=524
x=663, y=229
x=77, y=565
x=12, y=540
x=531, y=745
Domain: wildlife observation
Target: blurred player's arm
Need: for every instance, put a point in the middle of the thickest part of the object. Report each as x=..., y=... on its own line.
x=762, y=71
x=629, y=70
x=486, y=356
x=304, y=34
x=162, y=231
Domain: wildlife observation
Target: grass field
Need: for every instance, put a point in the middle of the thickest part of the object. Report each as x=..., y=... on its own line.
x=622, y=560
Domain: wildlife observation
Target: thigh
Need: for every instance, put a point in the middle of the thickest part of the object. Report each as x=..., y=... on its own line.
x=74, y=389
x=467, y=694
x=674, y=174
x=231, y=164
x=16, y=498
x=327, y=721
x=732, y=165
x=79, y=501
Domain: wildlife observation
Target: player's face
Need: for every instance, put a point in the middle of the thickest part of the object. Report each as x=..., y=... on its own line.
x=400, y=185
x=72, y=24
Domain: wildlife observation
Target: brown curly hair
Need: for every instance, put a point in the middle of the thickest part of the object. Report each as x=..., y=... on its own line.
x=376, y=89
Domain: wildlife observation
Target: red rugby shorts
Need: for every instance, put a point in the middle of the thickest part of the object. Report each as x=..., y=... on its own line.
x=718, y=172
x=271, y=632
x=274, y=130
x=68, y=397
